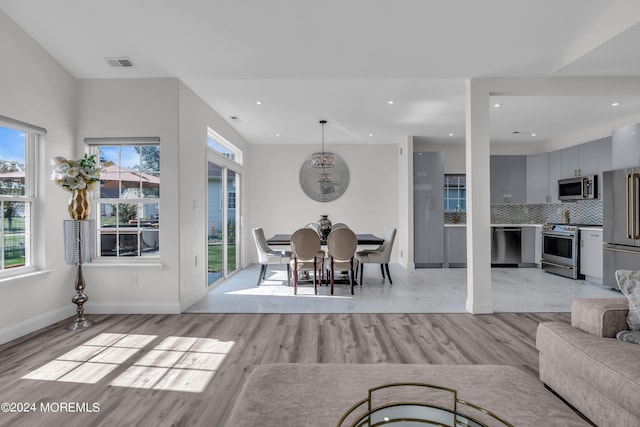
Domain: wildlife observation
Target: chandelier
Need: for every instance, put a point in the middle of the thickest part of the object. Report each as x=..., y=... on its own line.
x=322, y=159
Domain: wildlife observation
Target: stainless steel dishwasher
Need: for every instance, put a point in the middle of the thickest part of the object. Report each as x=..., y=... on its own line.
x=506, y=245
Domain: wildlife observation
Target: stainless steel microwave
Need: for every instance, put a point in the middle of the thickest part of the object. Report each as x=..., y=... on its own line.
x=578, y=188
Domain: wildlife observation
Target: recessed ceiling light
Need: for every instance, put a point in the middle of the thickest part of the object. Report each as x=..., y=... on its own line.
x=370, y=134
x=391, y=102
x=533, y=134
x=497, y=105
x=259, y=102
x=277, y=134
x=450, y=134
x=615, y=104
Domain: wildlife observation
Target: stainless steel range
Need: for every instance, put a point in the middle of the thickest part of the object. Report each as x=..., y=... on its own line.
x=560, y=244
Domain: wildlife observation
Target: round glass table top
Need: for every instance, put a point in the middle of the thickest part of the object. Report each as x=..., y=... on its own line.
x=415, y=415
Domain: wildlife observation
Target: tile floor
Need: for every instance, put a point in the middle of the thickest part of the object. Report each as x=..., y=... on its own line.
x=413, y=291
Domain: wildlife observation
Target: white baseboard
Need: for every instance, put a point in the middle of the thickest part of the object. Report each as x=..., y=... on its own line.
x=43, y=320
x=479, y=307
x=123, y=307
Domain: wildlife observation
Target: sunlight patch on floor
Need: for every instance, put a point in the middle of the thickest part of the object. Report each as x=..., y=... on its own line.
x=176, y=363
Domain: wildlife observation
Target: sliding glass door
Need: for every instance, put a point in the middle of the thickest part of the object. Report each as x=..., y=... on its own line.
x=223, y=220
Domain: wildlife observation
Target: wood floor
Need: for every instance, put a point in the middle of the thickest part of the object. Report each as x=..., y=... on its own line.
x=251, y=339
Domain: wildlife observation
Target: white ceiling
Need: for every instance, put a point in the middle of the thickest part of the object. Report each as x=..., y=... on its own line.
x=343, y=60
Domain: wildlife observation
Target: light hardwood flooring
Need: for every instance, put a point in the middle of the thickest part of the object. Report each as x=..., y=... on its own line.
x=188, y=369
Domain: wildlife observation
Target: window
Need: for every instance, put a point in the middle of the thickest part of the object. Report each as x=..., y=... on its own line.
x=129, y=200
x=18, y=143
x=223, y=147
x=455, y=193
x=231, y=200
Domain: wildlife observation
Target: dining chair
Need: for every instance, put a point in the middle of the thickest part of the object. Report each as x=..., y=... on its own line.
x=381, y=255
x=306, y=255
x=341, y=247
x=267, y=256
x=339, y=225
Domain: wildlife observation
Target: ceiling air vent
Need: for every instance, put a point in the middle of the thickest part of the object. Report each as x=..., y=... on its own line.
x=235, y=119
x=120, y=62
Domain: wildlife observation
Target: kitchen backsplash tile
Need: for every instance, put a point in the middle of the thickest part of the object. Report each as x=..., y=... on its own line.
x=583, y=212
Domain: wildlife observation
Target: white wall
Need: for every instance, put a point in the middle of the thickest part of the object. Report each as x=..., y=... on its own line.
x=278, y=205
x=195, y=117
x=137, y=108
x=35, y=89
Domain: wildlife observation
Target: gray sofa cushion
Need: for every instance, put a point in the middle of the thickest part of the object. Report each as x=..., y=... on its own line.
x=610, y=366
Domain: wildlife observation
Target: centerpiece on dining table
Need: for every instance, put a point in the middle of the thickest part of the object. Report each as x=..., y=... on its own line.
x=324, y=227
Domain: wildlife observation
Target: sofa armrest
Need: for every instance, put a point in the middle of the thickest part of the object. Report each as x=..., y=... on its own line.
x=602, y=317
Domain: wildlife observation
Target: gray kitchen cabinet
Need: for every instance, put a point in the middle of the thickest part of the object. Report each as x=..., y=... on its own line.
x=570, y=162
x=545, y=169
x=508, y=179
x=538, y=247
x=528, y=246
x=456, y=239
x=595, y=158
x=625, y=147
x=538, y=178
x=428, y=209
x=555, y=173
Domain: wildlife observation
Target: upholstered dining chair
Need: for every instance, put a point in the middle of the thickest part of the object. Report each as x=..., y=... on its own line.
x=267, y=256
x=306, y=255
x=341, y=248
x=381, y=255
x=339, y=225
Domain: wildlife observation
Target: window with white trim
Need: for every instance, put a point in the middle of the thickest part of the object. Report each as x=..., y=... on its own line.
x=128, y=206
x=216, y=142
x=18, y=147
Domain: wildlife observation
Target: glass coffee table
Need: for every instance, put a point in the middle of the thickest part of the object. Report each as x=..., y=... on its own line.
x=395, y=405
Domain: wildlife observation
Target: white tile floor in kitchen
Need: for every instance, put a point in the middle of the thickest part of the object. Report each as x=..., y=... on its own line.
x=413, y=291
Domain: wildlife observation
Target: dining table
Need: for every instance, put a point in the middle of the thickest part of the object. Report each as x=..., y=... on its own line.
x=363, y=239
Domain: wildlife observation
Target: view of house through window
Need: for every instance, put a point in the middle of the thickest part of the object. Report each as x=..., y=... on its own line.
x=455, y=193
x=222, y=188
x=17, y=148
x=128, y=206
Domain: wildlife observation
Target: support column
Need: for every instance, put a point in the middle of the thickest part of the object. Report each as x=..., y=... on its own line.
x=478, y=199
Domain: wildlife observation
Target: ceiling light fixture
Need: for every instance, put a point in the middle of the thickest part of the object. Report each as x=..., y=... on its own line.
x=615, y=104
x=450, y=134
x=259, y=102
x=497, y=105
x=533, y=134
x=322, y=159
x=370, y=134
x=391, y=102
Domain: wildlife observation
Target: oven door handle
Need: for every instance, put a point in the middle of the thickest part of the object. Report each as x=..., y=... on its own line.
x=557, y=265
x=560, y=235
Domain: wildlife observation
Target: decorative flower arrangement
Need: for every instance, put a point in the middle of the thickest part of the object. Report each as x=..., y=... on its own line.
x=73, y=175
x=79, y=177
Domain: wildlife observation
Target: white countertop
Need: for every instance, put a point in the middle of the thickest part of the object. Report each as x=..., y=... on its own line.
x=592, y=228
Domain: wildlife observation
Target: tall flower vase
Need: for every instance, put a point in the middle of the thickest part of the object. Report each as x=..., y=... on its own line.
x=79, y=205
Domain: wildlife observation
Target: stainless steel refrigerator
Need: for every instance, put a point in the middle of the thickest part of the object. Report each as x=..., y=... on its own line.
x=621, y=222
